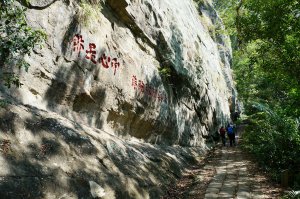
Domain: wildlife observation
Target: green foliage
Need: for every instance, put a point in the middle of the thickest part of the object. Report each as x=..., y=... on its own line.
x=266, y=61
x=165, y=71
x=11, y=79
x=3, y=103
x=17, y=40
x=89, y=11
x=199, y=1
x=266, y=44
x=291, y=195
x=276, y=136
x=274, y=140
x=227, y=11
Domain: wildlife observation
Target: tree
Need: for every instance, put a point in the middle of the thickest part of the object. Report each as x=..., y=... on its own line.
x=266, y=44
x=17, y=40
x=266, y=64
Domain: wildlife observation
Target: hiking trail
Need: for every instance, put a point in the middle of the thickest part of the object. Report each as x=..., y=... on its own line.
x=226, y=172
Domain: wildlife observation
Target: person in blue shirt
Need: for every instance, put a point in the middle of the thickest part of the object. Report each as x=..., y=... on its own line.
x=231, y=134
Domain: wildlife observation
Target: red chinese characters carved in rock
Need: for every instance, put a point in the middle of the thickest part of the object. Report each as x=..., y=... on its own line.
x=78, y=43
x=154, y=93
x=160, y=97
x=141, y=86
x=91, y=53
x=115, y=64
x=105, y=61
x=134, y=82
x=147, y=89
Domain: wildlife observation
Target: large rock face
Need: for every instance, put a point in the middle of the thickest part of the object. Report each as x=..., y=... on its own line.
x=111, y=72
x=106, y=67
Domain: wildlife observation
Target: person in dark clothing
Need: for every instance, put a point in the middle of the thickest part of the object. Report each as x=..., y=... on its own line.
x=231, y=134
x=222, y=134
x=236, y=116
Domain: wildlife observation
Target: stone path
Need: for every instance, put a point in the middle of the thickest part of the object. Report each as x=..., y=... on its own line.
x=226, y=173
x=232, y=178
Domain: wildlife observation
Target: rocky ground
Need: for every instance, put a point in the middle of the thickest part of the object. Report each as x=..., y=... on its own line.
x=227, y=172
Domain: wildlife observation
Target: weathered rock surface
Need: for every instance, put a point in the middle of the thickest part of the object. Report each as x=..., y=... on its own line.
x=127, y=95
x=116, y=85
x=44, y=155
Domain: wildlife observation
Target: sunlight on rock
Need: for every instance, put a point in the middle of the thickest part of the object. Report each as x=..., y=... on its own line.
x=96, y=190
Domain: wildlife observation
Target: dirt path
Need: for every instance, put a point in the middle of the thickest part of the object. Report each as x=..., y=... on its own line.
x=227, y=172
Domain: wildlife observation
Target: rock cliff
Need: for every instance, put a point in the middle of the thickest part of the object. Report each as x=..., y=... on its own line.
x=120, y=89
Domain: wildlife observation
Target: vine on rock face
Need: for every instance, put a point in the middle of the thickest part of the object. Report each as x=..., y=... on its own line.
x=16, y=40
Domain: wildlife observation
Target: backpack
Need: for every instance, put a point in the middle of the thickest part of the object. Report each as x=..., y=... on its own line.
x=230, y=130
x=222, y=132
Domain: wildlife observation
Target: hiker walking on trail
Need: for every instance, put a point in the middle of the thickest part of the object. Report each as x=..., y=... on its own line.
x=231, y=134
x=222, y=132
